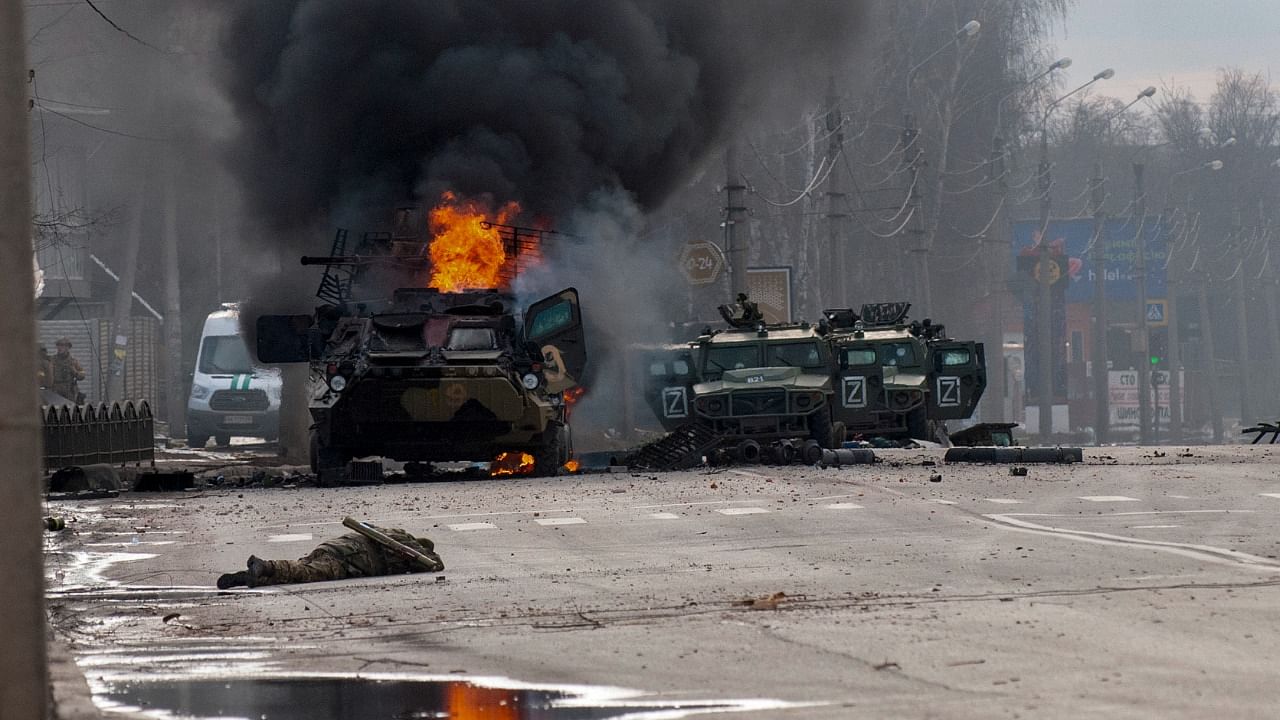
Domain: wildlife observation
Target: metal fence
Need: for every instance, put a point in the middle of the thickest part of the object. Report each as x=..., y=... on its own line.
x=86, y=434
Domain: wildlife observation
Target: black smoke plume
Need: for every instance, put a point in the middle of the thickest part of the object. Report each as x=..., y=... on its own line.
x=364, y=104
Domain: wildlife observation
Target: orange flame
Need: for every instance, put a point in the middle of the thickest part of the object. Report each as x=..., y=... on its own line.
x=464, y=253
x=511, y=463
x=573, y=465
x=571, y=398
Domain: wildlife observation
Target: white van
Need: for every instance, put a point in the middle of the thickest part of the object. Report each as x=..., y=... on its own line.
x=230, y=396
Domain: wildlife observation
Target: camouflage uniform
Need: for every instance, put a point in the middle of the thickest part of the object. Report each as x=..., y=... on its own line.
x=349, y=556
x=66, y=373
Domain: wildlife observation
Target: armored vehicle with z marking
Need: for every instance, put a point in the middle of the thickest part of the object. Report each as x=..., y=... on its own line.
x=901, y=379
x=751, y=384
x=425, y=375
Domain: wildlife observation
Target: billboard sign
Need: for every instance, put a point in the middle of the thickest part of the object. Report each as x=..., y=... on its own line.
x=1074, y=241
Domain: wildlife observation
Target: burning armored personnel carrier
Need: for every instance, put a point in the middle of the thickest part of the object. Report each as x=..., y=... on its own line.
x=426, y=374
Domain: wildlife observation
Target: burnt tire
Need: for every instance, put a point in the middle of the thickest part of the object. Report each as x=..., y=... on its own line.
x=553, y=454
x=197, y=442
x=223, y=440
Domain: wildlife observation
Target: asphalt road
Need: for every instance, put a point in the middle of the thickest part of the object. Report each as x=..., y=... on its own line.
x=1129, y=586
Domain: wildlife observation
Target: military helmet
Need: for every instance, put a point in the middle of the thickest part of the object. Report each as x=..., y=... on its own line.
x=62, y=342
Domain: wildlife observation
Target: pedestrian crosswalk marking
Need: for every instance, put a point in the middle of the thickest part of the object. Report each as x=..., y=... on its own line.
x=843, y=506
x=1108, y=498
x=742, y=511
x=664, y=516
x=560, y=521
x=463, y=527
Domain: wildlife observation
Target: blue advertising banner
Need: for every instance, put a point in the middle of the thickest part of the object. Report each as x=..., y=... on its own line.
x=1074, y=239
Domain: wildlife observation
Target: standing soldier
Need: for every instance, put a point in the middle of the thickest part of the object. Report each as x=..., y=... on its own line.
x=353, y=555
x=67, y=372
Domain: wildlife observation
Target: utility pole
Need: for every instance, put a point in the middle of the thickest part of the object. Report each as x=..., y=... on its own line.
x=837, y=240
x=1101, y=375
x=1242, y=326
x=1045, y=277
x=1209, y=358
x=23, y=691
x=1140, y=277
x=1175, y=359
x=993, y=410
x=734, y=210
x=176, y=380
x=913, y=153
x=121, y=325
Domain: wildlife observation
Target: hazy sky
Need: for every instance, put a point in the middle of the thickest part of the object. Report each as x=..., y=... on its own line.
x=1167, y=42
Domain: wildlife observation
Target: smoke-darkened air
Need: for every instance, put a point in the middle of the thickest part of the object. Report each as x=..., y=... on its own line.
x=540, y=102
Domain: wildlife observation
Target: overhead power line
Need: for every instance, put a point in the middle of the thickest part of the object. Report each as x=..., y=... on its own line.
x=127, y=34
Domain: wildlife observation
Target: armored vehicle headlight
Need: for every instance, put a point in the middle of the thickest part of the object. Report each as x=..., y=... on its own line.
x=338, y=383
x=530, y=381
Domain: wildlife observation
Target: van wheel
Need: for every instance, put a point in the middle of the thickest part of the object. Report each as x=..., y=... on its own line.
x=223, y=440
x=197, y=442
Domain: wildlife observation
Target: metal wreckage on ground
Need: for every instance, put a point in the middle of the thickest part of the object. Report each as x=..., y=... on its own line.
x=781, y=392
x=421, y=375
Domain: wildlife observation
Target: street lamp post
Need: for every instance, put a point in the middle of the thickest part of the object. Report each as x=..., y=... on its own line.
x=1175, y=350
x=1101, y=385
x=996, y=388
x=1043, y=274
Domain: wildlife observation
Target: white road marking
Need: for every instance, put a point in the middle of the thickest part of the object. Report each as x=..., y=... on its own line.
x=1004, y=501
x=742, y=511
x=1274, y=495
x=664, y=516
x=132, y=544
x=1205, y=553
x=748, y=473
x=834, y=497
x=1153, y=527
x=463, y=527
x=1108, y=498
x=942, y=502
x=843, y=506
x=295, y=537
x=688, y=504
x=1181, y=497
x=560, y=521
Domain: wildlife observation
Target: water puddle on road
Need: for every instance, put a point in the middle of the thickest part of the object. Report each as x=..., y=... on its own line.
x=344, y=698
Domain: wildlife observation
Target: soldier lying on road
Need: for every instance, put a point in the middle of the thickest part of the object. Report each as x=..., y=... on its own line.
x=351, y=556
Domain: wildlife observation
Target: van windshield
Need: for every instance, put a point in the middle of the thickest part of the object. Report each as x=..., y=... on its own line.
x=225, y=355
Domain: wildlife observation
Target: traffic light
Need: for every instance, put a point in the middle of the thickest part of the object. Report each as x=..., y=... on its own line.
x=1158, y=345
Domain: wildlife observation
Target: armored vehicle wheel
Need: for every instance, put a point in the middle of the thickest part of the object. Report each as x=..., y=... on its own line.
x=553, y=454
x=197, y=441
x=223, y=440
x=824, y=431
x=325, y=458
x=918, y=424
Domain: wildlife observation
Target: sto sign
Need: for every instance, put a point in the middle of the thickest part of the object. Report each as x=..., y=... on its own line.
x=701, y=263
